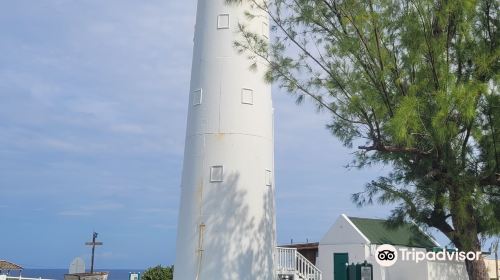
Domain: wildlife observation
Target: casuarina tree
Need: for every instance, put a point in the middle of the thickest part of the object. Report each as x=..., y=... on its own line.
x=410, y=84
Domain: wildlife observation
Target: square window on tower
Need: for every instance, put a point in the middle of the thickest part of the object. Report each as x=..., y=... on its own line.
x=197, y=97
x=269, y=178
x=216, y=173
x=247, y=96
x=223, y=21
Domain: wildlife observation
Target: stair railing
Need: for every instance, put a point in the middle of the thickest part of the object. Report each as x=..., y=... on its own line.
x=289, y=261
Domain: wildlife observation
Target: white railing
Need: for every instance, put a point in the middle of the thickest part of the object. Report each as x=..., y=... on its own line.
x=286, y=260
x=289, y=261
x=23, y=278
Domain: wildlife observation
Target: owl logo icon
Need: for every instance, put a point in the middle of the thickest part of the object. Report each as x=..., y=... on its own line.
x=386, y=255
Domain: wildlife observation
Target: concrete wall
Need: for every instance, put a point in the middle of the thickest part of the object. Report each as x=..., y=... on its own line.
x=490, y=266
x=410, y=270
x=403, y=270
x=441, y=270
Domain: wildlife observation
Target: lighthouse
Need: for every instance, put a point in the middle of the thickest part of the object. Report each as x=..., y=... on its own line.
x=226, y=227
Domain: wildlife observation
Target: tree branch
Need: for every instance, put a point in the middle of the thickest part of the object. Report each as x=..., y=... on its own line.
x=394, y=149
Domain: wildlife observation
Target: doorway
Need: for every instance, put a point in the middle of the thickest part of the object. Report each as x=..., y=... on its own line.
x=340, y=263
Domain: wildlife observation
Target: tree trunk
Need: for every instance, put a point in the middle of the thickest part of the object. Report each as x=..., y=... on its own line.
x=465, y=236
x=476, y=270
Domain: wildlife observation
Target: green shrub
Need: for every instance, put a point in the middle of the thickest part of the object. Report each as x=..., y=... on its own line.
x=158, y=273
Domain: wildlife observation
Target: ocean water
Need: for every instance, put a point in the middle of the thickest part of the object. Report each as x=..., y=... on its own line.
x=58, y=274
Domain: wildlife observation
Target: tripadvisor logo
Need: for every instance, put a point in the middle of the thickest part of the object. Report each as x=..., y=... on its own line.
x=387, y=255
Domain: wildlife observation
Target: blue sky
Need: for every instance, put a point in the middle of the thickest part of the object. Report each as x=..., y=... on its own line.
x=93, y=105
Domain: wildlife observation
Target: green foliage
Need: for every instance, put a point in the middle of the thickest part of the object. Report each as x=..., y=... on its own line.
x=413, y=84
x=158, y=273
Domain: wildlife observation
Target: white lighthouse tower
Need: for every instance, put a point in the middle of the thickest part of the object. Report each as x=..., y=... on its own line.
x=226, y=227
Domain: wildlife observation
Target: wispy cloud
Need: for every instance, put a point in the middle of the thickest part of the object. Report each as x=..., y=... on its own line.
x=74, y=213
x=164, y=226
x=59, y=144
x=110, y=255
x=158, y=210
x=128, y=128
x=92, y=209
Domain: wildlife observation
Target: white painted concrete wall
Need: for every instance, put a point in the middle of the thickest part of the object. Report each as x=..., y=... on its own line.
x=402, y=270
x=452, y=270
x=226, y=226
x=424, y=270
x=491, y=267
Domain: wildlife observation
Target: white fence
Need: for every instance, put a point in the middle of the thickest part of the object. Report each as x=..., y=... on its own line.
x=289, y=261
x=20, y=278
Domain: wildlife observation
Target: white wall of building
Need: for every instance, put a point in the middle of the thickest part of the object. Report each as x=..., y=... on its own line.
x=403, y=270
x=439, y=270
x=491, y=267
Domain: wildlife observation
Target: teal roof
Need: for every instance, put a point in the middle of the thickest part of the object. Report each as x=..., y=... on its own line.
x=378, y=232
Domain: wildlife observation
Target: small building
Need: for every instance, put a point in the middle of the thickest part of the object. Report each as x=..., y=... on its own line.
x=355, y=240
x=7, y=267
